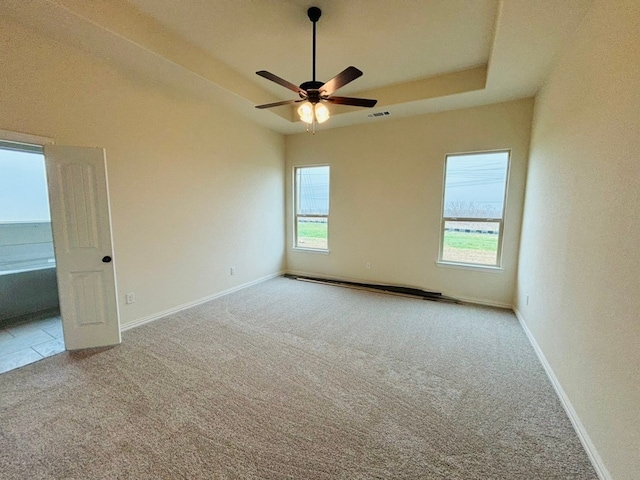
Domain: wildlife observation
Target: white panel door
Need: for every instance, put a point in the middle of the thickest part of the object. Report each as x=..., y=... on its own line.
x=81, y=225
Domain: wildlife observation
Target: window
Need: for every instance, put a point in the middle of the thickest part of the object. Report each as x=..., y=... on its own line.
x=475, y=186
x=312, y=207
x=25, y=225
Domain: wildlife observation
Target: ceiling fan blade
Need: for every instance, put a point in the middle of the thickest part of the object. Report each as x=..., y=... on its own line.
x=349, y=74
x=281, y=81
x=356, y=102
x=277, y=104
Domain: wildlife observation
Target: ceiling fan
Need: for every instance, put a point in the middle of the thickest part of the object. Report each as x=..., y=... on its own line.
x=313, y=93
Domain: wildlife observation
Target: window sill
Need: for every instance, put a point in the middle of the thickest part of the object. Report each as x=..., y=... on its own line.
x=469, y=266
x=310, y=250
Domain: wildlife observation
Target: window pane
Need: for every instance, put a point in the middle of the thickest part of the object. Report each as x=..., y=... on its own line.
x=25, y=227
x=23, y=187
x=312, y=232
x=475, y=185
x=471, y=242
x=312, y=189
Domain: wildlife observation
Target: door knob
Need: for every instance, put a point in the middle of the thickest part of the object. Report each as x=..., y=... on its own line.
x=106, y=259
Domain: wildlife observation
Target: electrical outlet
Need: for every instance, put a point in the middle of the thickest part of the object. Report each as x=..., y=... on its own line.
x=232, y=271
x=367, y=265
x=131, y=297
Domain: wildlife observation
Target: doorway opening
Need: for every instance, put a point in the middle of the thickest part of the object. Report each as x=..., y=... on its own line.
x=30, y=322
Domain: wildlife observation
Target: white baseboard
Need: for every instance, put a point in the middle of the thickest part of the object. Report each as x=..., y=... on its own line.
x=184, y=306
x=588, y=445
x=477, y=301
x=487, y=303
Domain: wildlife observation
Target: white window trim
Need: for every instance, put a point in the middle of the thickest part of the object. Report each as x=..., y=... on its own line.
x=469, y=266
x=474, y=266
x=319, y=251
x=296, y=215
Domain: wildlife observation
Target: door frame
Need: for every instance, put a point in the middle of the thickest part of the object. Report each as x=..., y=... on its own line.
x=25, y=138
x=42, y=141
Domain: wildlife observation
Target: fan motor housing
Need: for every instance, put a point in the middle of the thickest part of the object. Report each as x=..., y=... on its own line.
x=311, y=85
x=313, y=90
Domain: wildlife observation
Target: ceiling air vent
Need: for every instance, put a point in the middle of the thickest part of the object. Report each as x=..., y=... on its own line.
x=378, y=114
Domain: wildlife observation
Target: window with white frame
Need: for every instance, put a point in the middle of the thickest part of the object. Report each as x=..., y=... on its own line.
x=475, y=186
x=312, y=207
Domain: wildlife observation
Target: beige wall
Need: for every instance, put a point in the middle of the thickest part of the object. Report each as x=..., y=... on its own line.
x=195, y=189
x=386, y=196
x=579, y=258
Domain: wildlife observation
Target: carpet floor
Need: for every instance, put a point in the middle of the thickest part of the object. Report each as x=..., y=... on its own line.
x=294, y=380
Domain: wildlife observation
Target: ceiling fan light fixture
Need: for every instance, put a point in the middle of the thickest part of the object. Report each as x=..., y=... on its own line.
x=313, y=92
x=306, y=112
x=322, y=113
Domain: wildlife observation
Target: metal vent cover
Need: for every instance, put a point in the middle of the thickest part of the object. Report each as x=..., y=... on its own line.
x=378, y=114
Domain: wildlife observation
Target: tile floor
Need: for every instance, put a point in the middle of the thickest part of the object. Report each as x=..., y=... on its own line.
x=29, y=339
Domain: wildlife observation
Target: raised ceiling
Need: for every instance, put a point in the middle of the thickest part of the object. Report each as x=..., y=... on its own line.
x=417, y=56
x=391, y=41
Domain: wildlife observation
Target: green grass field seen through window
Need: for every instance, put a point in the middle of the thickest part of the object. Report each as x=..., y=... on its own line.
x=471, y=241
x=460, y=240
x=312, y=230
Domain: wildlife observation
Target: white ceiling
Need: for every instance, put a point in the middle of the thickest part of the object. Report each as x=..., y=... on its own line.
x=417, y=56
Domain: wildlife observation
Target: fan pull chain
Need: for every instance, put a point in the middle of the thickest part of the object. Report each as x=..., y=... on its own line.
x=313, y=127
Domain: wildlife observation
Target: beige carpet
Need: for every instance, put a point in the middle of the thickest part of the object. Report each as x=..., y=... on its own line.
x=292, y=380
